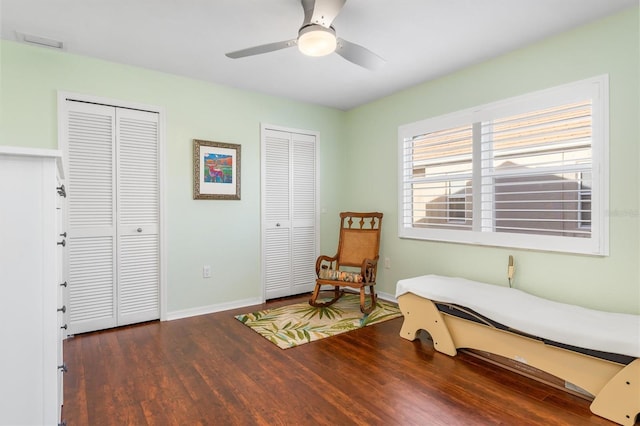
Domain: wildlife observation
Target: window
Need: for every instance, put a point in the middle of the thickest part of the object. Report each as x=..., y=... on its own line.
x=527, y=172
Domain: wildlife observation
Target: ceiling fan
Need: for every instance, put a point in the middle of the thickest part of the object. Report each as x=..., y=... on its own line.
x=316, y=37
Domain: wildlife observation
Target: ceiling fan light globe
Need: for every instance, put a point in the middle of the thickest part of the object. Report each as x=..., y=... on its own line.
x=317, y=41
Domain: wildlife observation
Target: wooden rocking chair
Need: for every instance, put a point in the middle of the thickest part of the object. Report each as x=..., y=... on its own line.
x=358, y=249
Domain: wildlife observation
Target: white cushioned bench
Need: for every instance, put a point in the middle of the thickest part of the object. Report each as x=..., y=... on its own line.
x=594, y=350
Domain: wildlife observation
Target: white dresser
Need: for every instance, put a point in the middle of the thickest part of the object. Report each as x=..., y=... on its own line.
x=32, y=317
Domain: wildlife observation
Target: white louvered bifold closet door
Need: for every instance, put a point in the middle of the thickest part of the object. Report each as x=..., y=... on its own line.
x=304, y=206
x=138, y=217
x=289, y=209
x=277, y=224
x=113, y=216
x=91, y=215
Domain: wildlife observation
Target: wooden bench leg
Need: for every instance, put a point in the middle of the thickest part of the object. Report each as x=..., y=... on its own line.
x=422, y=314
x=619, y=399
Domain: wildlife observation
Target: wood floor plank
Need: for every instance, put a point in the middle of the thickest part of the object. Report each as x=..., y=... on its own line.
x=213, y=370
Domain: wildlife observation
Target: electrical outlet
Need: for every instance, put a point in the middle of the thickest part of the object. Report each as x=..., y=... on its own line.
x=206, y=271
x=387, y=263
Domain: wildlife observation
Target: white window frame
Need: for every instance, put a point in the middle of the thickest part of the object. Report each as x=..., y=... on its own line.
x=597, y=89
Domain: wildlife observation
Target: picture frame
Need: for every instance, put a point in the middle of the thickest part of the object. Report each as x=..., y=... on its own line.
x=216, y=170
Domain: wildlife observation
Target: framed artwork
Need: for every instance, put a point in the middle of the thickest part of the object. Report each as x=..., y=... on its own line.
x=216, y=170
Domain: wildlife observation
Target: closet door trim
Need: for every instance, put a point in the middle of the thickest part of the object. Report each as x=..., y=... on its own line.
x=63, y=97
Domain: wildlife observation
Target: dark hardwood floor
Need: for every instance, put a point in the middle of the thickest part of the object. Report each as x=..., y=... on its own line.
x=213, y=370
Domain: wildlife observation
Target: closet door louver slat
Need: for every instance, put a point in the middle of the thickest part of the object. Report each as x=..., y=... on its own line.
x=277, y=260
x=277, y=186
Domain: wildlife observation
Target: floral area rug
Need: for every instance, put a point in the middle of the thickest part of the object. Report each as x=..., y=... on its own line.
x=300, y=323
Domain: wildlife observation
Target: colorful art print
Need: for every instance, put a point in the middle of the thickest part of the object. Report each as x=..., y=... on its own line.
x=216, y=170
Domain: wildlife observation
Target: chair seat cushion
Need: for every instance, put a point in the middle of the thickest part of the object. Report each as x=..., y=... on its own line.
x=335, y=275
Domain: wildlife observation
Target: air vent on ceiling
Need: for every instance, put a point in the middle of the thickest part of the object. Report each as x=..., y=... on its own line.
x=39, y=41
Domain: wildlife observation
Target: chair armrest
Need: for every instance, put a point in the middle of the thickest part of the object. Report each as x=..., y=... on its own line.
x=368, y=269
x=328, y=262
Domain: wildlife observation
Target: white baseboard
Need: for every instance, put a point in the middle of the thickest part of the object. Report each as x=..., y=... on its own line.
x=210, y=309
x=388, y=297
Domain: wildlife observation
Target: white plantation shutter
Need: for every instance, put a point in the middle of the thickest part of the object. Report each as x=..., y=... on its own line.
x=289, y=212
x=537, y=168
x=439, y=175
x=91, y=207
x=138, y=216
x=528, y=172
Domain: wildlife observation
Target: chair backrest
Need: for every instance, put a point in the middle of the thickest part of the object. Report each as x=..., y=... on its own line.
x=359, y=238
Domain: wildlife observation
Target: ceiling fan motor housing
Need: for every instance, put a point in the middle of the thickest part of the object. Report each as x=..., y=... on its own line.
x=316, y=40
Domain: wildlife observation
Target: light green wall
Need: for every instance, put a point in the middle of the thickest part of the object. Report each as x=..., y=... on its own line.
x=609, y=283
x=358, y=156
x=223, y=234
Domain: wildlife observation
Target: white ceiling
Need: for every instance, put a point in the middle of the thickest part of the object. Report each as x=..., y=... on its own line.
x=420, y=39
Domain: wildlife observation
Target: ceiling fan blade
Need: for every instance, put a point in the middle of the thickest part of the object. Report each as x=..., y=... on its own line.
x=321, y=12
x=263, y=48
x=359, y=55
